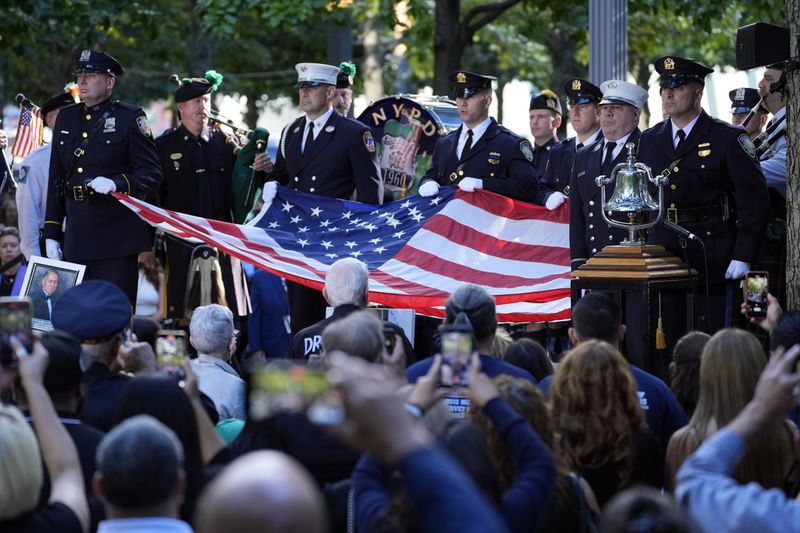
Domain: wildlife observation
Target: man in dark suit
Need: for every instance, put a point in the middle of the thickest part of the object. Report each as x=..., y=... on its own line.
x=619, y=115
x=326, y=154
x=481, y=154
x=100, y=146
x=44, y=299
x=197, y=162
x=716, y=189
x=582, y=99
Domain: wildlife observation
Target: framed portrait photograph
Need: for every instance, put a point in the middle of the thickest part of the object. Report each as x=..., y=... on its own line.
x=44, y=283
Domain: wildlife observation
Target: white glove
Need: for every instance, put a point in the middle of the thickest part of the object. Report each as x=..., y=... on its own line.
x=53, y=249
x=736, y=269
x=554, y=200
x=470, y=184
x=102, y=185
x=269, y=192
x=429, y=188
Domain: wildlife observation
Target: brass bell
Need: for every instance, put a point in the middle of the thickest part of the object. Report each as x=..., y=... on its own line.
x=631, y=192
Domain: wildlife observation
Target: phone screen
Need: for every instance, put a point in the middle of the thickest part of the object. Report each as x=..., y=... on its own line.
x=171, y=353
x=15, y=322
x=291, y=388
x=457, y=347
x=389, y=339
x=755, y=293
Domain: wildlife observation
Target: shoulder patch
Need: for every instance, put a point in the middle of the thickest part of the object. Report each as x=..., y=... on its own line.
x=144, y=126
x=369, y=142
x=747, y=145
x=525, y=148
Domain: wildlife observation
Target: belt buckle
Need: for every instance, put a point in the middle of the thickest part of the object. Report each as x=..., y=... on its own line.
x=77, y=193
x=672, y=215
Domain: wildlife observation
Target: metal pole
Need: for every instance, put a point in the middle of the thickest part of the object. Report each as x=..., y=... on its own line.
x=608, y=40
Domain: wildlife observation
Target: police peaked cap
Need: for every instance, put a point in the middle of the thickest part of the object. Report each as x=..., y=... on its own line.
x=743, y=99
x=546, y=99
x=93, y=311
x=467, y=84
x=582, y=92
x=94, y=61
x=676, y=71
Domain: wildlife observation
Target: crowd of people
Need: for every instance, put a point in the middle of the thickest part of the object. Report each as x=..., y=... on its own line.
x=283, y=419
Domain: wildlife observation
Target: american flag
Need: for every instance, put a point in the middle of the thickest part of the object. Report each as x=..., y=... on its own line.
x=29, y=131
x=418, y=250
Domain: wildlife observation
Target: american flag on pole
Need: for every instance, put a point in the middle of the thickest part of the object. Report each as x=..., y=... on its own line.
x=418, y=250
x=29, y=131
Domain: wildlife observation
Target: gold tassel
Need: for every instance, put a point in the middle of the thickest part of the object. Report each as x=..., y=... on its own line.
x=661, y=339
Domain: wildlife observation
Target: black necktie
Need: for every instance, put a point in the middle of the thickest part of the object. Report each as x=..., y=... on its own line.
x=681, y=138
x=467, y=145
x=309, y=137
x=608, y=162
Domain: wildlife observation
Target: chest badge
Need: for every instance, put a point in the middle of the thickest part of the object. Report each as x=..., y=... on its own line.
x=110, y=125
x=296, y=129
x=175, y=156
x=329, y=129
x=704, y=153
x=494, y=158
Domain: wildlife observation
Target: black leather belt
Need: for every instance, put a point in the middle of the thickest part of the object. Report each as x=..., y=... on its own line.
x=695, y=214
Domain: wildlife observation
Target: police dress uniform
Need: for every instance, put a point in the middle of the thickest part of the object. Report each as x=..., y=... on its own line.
x=197, y=181
x=562, y=156
x=549, y=101
x=100, y=232
x=716, y=190
x=339, y=163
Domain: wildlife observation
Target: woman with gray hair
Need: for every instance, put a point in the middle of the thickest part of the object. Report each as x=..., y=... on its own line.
x=212, y=335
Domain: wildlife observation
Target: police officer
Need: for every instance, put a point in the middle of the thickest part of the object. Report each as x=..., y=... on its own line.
x=716, y=189
x=481, y=154
x=743, y=100
x=545, y=119
x=582, y=100
x=619, y=115
x=197, y=163
x=100, y=146
x=327, y=154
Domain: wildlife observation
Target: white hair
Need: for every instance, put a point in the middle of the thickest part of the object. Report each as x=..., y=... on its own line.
x=346, y=282
x=211, y=329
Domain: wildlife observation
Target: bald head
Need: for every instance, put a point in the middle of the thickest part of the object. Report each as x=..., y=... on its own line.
x=264, y=491
x=346, y=282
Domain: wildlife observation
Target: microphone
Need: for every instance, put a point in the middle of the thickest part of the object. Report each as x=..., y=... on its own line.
x=679, y=230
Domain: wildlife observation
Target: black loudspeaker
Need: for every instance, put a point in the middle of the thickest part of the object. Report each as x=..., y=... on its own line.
x=761, y=44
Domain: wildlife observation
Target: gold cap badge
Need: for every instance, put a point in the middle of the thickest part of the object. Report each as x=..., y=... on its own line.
x=461, y=78
x=669, y=64
x=576, y=85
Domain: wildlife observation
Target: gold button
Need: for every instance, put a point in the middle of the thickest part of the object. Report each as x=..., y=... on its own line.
x=673, y=186
x=85, y=134
x=708, y=233
x=491, y=174
x=88, y=117
x=702, y=166
x=80, y=170
x=460, y=172
x=675, y=169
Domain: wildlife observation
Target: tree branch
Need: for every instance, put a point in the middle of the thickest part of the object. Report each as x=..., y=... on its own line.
x=487, y=13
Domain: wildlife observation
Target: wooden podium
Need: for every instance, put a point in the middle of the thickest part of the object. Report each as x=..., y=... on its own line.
x=646, y=271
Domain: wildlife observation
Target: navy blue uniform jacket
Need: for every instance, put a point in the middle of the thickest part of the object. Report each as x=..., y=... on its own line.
x=711, y=163
x=340, y=163
x=121, y=150
x=500, y=158
x=588, y=232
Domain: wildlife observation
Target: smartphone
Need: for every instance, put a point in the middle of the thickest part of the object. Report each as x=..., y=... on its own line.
x=756, y=288
x=389, y=339
x=284, y=387
x=16, y=317
x=458, y=343
x=171, y=353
